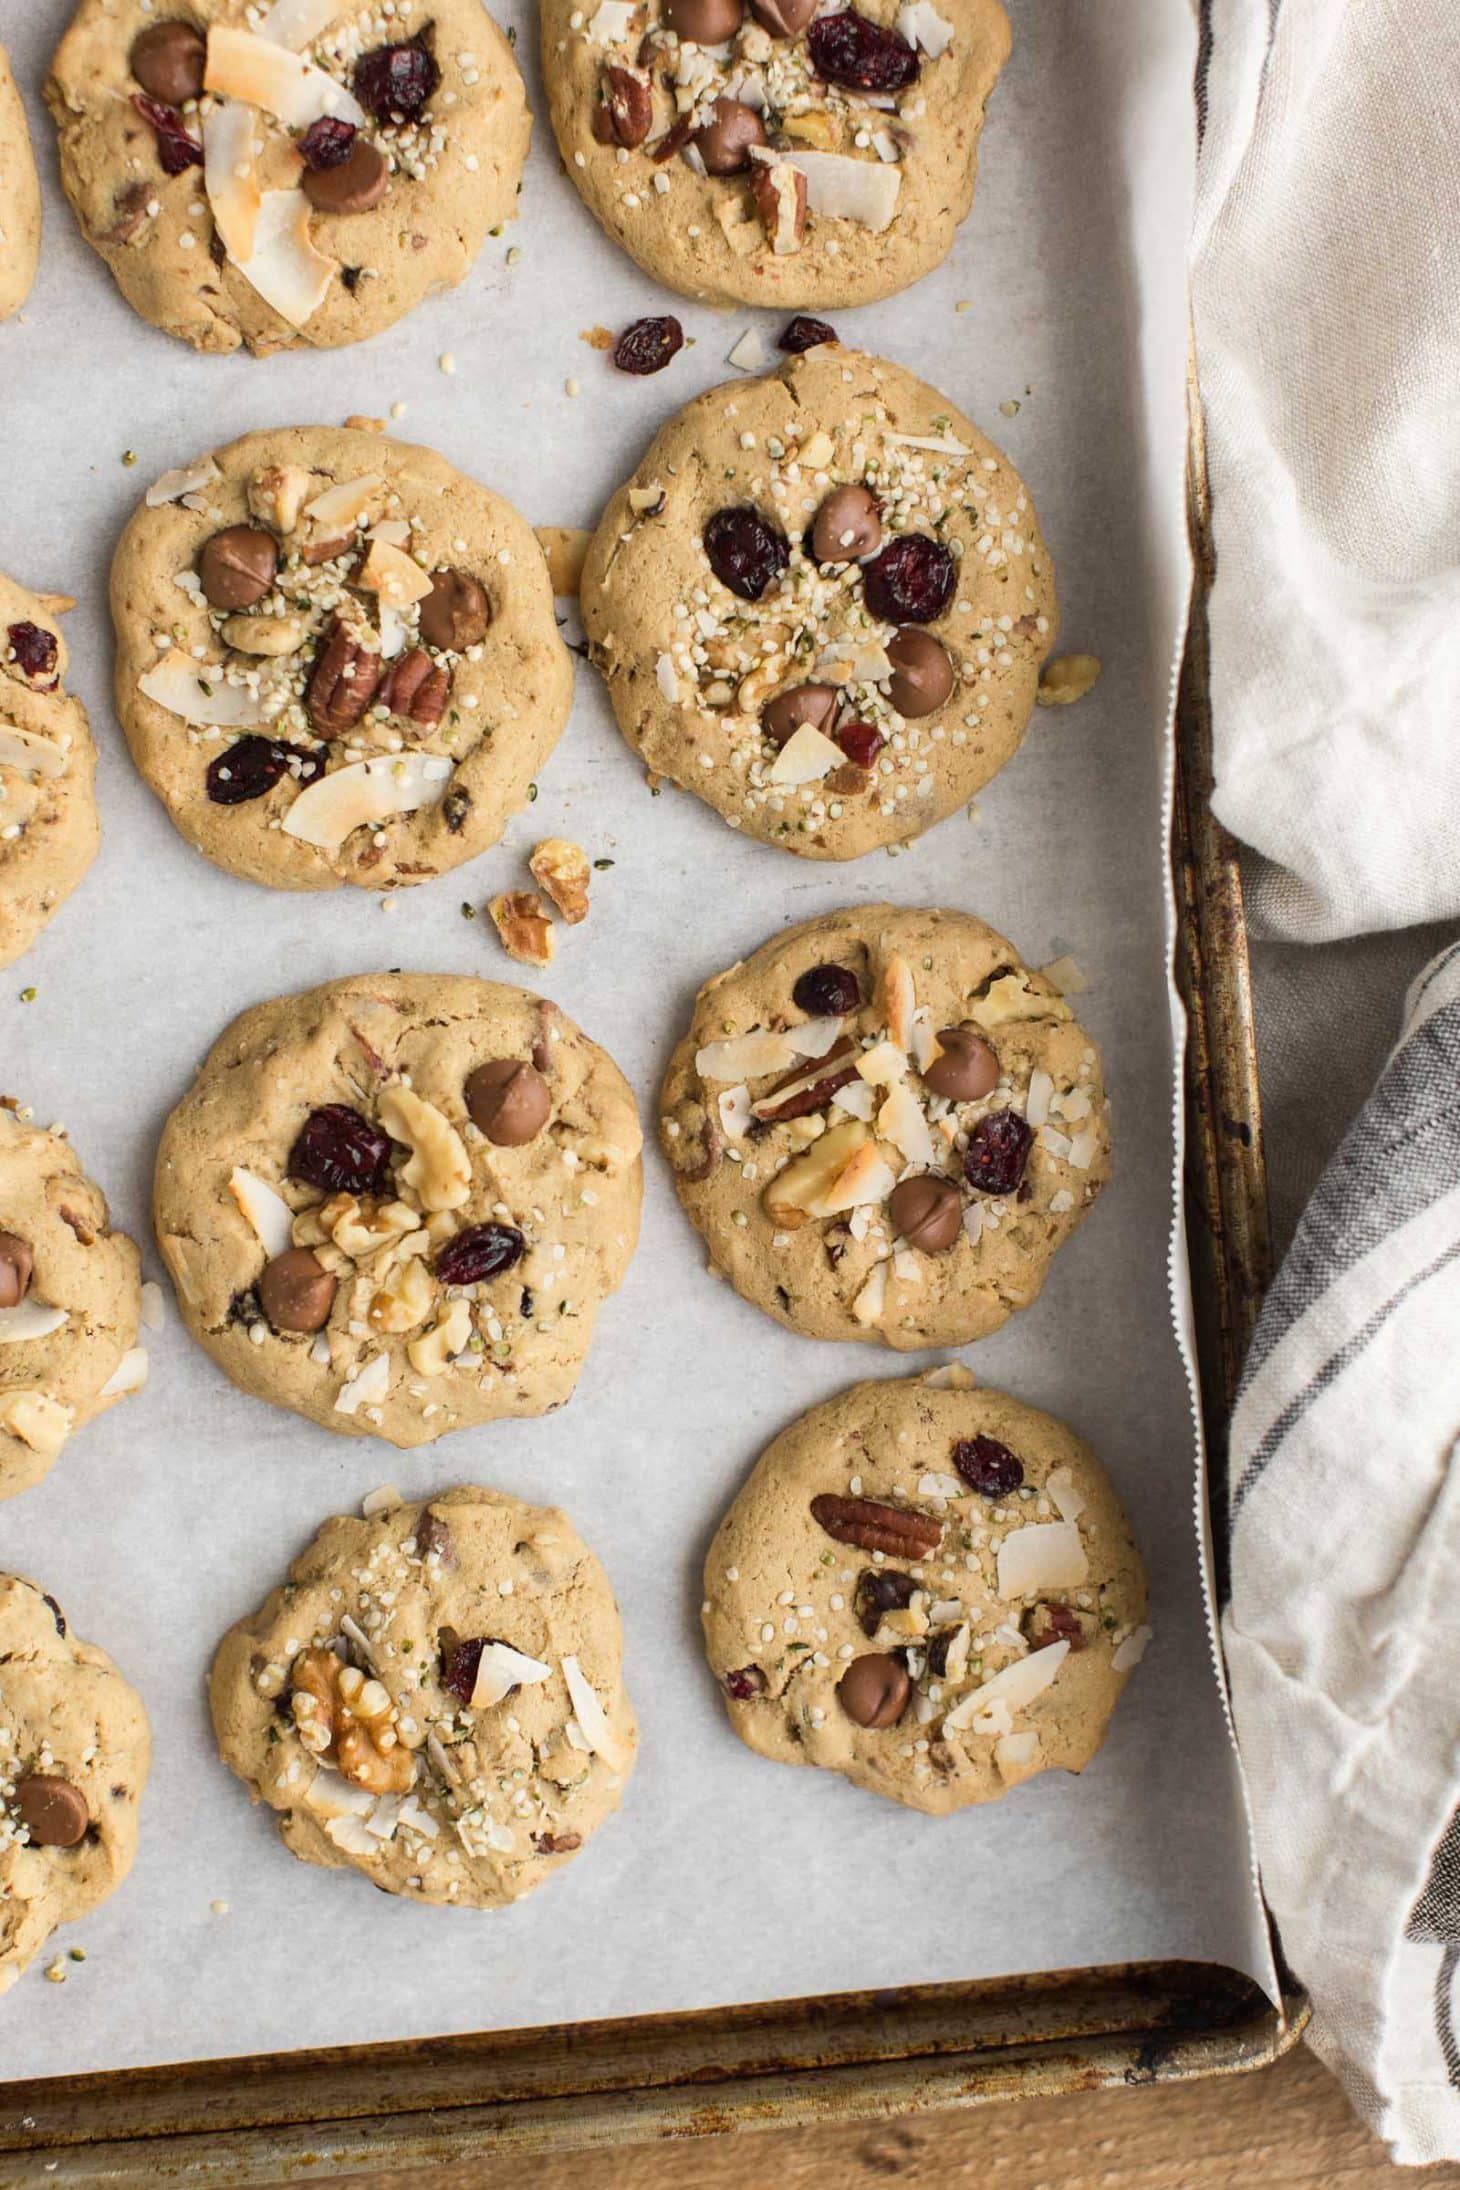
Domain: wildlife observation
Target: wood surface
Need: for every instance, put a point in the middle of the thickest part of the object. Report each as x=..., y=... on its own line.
x=1284, y=2128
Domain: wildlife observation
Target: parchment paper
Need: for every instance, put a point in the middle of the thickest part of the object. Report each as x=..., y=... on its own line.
x=724, y=1878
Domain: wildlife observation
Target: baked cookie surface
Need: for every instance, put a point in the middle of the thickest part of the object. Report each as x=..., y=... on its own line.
x=70, y=1302
x=337, y=659
x=884, y=1125
x=74, y=1755
x=292, y=175
x=20, y=198
x=49, y=829
x=771, y=154
x=931, y=1590
x=821, y=603
x=435, y=1698
x=396, y=1203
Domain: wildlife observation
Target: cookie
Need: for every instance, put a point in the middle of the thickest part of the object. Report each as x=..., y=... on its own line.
x=336, y=658
x=884, y=1125
x=20, y=198
x=70, y=1302
x=775, y=155
x=396, y=1203
x=49, y=830
x=74, y=1754
x=293, y=175
x=821, y=603
x=435, y=1698
x=929, y=1588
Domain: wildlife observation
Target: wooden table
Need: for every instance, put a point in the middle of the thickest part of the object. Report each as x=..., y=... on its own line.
x=1287, y=2128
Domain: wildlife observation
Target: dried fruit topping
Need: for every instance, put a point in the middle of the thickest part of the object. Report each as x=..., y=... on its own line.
x=746, y=553
x=827, y=992
x=176, y=150
x=327, y=143
x=880, y=1590
x=802, y=333
x=987, y=1466
x=860, y=55
x=459, y=1663
x=1044, y=1624
x=809, y=1087
x=35, y=652
x=874, y=1690
x=997, y=1151
x=250, y=767
x=395, y=82
x=416, y=688
x=349, y=1720
x=482, y=1251
x=340, y=1152
x=746, y=1682
x=342, y=683
x=647, y=345
x=874, y=1527
x=911, y=581
x=169, y=60
x=860, y=741
x=627, y=108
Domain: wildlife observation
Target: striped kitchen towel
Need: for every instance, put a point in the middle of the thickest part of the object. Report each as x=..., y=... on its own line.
x=1343, y=1629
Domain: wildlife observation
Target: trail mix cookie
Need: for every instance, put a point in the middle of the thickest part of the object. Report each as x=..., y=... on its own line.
x=821, y=602
x=287, y=175
x=435, y=1698
x=336, y=658
x=884, y=1125
x=74, y=1755
x=70, y=1301
x=778, y=153
x=396, y=1203
x=49, y=829
x=930, y=1589
x=20, y=198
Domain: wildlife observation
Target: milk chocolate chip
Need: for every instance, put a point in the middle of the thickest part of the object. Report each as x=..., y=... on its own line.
x=353, y=184
x=928, y=1212
x=297, y=1292
x=508, y=1101
x=237, y=566
x=848, y=527
x=874, y=1690
x=726, y=138
x=16, y=1264
x=813, y=703
x=967, y=1068
x=922, y=675
x=704, y=22
x=783, y=18
x=456, y=613
x=168, y=61
x=51, y=1811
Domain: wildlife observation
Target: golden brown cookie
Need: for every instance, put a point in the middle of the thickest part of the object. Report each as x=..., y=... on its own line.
x=20, y=198
x=49, y=829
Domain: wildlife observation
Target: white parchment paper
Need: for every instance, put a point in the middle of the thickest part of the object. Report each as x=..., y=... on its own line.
x=724, y=1878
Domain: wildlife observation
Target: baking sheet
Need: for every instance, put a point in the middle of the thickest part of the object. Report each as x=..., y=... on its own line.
x=724, y=1878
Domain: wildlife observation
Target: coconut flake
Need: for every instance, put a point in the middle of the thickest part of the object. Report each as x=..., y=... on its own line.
x=667, y=679
x=330, y=1795
x=865, y=1178
x=1069, y=1502
x=284, y=267
x=129, y=1375
x=367, y=1388
x=901, y=1121
x=883, y=1063
x=230, y=177
x=612, y=22
x=1044, y=1555
x=29, y=753
x=814, y=1037
x=868, y=1305
x=265, y=74
x=343, y=505
x=806, y=757
x=298, y=23
x=500, y=1669
x=941, y=444
x=1068, y=976
x=589, y=1712
x=1017, y=1756
x=269, y=1214
x=1131, y=1651
x=199, y=693
x=1036, y=1106
x=919, y=22
x=735, y=1115
x=366, y=791
x=745, y=1057
x=392, y=574
x=1082, y=1149
x=30, y=1320
x=387, y=1499
x=1016, y=1687
x=188, y=479
x=858, y=1099
x=748, y=355
x=844, y=189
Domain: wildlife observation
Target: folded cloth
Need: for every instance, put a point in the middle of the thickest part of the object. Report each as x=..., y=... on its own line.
x=1325, y=283
x=1343, y=1629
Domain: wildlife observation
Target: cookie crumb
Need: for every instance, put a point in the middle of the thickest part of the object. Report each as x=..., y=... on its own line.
x=524, y=927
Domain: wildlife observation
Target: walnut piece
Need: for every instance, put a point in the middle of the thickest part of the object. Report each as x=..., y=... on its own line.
x=562, y=869
x=347, y=1720
x=1067, y=679
x=276, y=496
x=525, y=927
x=439, y=1172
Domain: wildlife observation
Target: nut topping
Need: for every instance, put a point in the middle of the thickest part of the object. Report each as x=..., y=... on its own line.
x=779, y=191
x=525, y=926
x=417, y=688
x=349, y=1721
x=342, y=683
x=874, y=1527
x=627, y=107
x=562, y=869
x=807, y=1088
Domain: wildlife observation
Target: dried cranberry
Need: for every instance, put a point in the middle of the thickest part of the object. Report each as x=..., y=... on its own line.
x=826, y=992
x=987, y=1466
x=251, y=766
x=459, y=1663
x=911, y=581
x=176, y=150
x=746, y=554
x=340, y=1152
x=479, y=1252
x=860, y=741
x=744, y=1683
x=997, y=1151
x=879, y=1590
x=35, y=652
x=396, y=81
x=860, y=55
x=647, y=345
x=802, y=333
x=327, y=143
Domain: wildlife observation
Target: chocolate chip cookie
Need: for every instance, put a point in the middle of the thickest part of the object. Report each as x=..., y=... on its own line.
x=777, y=153
x=821, y=603
x=20, y=198
x=435, y=1698
x=929, y=1588
x=297, y=174
x=49, y=830
x=74, y=1755
x=336, y=658
x=885, y=1124
x=396, y=1203
x=70, y=1302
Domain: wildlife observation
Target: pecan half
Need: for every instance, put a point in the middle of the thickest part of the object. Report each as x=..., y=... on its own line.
x=416, y=688
x=342, y=683
x=779, y=191
x=675, y=138
x=627, y=108
x=874, y=1527
x=1047, y=1623
x=129, y=212
x=809, y=1087
x=556, y=1843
